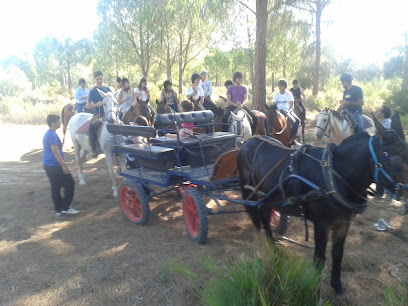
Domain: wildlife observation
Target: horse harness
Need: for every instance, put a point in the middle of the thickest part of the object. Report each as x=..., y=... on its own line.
x=291, y=182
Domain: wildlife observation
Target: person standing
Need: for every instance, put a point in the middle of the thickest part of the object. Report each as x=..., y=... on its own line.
x=81, y=96
x=94, y=104
x=169, y=96
x=237, y=96
x=195, y=93
x=352, y=100
x=56, y=169
x=126, y=98
x=284, y=103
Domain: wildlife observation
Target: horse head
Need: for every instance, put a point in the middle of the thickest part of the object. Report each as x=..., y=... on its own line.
x=110, y=105
x=162, y=107
x=322, y=123
x=272, y=120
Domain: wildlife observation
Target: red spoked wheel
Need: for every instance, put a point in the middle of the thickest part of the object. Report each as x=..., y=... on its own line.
x=278, y=222
x=180, y=188
x=134, y=202
x=195, y=215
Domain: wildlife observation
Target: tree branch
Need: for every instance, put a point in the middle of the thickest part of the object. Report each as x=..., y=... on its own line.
x=242, y=3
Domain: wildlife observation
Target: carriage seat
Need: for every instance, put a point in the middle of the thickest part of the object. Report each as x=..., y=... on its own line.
x=131, y=130
x=189, y=141
x=150, y=157
x=198, y=117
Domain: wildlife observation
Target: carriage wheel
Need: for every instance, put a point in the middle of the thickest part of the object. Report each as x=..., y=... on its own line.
x=181, y=188
x=278, y=222
x=195, y=215
x=134, y=202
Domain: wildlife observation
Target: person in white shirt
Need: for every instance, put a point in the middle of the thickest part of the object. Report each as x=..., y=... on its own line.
x=81, y=96
x=284, y=102
x=206, y=85
x=195, y=93
x=143, y=96
x=384, y=116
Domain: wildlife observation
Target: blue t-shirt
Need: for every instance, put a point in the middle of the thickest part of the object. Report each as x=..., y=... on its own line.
x=51, y=138
x=95, y=97
x=353, y=94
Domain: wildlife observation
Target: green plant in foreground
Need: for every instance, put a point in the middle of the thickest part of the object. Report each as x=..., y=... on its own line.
x=394, y=298
x=270, y=277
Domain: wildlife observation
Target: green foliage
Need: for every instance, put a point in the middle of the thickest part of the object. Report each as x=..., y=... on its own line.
x=13, y=81
x=219, y=64
x=398, y=100
x=164, y=275
x=269, y=277
x=396, y=298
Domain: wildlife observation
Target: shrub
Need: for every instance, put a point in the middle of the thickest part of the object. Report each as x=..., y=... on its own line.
x=398, y=100
x=270, y=277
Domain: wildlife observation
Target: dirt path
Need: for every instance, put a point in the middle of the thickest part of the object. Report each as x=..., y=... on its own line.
x=98, y=258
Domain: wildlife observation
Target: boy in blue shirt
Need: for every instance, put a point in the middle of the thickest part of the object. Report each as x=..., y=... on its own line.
x=56, y=169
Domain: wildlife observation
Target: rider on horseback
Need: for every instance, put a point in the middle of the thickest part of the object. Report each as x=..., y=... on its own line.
x=195, y=93
x=237, y=96
x=284, y=103
x=300, y=97
x=352, y=100
x=94, y=103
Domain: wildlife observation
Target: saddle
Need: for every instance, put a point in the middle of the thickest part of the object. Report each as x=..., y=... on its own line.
x=84, y=129
x=347, y=115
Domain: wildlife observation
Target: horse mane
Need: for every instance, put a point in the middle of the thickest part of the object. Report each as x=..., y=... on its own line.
x=215, y=109
x=335, y=113
x=356, y=137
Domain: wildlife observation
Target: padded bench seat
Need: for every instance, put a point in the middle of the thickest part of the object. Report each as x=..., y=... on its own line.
x=150, y=157
x=217, y=137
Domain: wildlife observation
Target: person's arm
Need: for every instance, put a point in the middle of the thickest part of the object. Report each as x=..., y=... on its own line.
x=77, y=95
x=120, y=97
x=147, y=93
x=162, y=97
x=58, y=157
x=229, y=102
x=302, y=93
x=176, y=99
x=356, y=103
x=188, y=96
x=201, y=102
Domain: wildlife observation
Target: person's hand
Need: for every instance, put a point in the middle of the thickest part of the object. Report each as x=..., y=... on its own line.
x=240, y=106
x=99, y=104
x=342, y=102
x=65, y=169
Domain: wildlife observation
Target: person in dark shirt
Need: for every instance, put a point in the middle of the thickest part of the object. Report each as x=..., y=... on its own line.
x=352, y=100
x=94, y=104
x=300, y=97
x=56, y=169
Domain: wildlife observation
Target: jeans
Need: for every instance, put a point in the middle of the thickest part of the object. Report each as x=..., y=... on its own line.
x=227, y=113
x=80, y=107
x=59, y=181
x=293, y=118
x=359, y=119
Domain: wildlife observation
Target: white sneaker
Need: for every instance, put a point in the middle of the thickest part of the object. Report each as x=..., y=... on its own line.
x=58, y=214
x=70, y=211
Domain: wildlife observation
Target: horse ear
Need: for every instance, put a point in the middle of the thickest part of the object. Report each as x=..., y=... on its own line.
x=266, y=106
x=397, y=125
x=382, y=131
x=157, y=102
x=103, y=94
x=319, y=109
x=234, y=116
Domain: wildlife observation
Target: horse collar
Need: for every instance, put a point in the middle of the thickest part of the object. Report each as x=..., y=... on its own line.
x=330, y=182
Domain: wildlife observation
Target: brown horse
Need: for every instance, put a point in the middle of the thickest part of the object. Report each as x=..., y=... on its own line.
x=276, y=126
x=260, y=128
x=66, y=114
x=132, y=114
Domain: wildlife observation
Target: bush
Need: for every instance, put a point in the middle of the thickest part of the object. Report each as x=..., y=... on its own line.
x=398, y=100
x=270, y=277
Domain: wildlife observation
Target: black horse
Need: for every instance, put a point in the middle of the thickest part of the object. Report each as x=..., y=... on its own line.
x=344, y=176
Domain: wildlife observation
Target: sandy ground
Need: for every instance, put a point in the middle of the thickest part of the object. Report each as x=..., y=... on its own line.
x=98, y=258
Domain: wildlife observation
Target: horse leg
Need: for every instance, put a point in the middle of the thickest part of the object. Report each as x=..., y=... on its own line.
x=109, y=162
x=303, y=132
x=321, y=232
x=339, y=235
x=80, y=154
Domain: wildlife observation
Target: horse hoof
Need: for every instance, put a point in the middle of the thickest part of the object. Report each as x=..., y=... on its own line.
x=82, y=182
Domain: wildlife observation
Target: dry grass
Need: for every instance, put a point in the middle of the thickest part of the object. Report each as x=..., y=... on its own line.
x=98, y=258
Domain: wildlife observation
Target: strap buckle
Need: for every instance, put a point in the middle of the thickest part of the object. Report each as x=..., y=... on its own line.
x=378, y=165
x=324, y=164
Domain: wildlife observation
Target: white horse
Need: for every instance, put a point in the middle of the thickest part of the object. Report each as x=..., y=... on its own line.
x=81, y=141
x=240, y=126
x=332, y=124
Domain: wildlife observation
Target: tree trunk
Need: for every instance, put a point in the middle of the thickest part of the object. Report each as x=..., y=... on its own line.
x=69, y=80
x=180, y=80
x=251, y=72
x=168, y=64
x=316, y=73
x=259, y=96
x=405, y=76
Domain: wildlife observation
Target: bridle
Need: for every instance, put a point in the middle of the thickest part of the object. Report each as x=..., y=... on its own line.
x=275, y=133
x=327, y=124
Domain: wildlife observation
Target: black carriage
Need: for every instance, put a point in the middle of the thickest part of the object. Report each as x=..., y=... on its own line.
x=200, y=165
